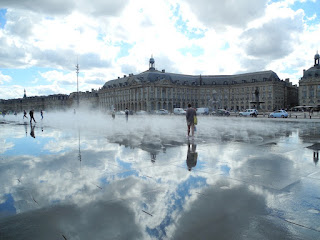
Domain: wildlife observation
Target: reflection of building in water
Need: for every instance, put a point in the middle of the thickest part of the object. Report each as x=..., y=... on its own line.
x=192, y=156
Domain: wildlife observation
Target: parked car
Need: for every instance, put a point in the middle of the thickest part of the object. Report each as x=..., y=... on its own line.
x=278, y=114
x=120, y=113
x=179, y=111
x=162, y=112
x=202, y=111
x=249, y=112
x=221, y=112
x=141, y=112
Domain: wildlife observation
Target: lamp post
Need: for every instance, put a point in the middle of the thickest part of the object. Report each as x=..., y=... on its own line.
x=77, y=70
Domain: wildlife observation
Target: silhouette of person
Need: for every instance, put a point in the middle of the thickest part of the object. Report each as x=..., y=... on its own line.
x=26, y=128
x=315, y=156
x=25, y=114
x=192, y=156
x=127, y=114
x=190, y=114
x=32, y=131
x=113, y=113
x=41, y=113
x=153, y=157
x=31, y=116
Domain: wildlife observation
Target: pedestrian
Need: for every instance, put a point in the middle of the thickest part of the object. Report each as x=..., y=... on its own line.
x=113, y=113
x=127, y=114
x=31, y=116
x=41, y=113
x=25, y=114
x=190, y=114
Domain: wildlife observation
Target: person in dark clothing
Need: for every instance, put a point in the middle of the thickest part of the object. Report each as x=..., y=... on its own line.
x=31, y=116
x=25, y=114
x=127, y=114
x=190, y=114
x=113, y=113
x=41, y=113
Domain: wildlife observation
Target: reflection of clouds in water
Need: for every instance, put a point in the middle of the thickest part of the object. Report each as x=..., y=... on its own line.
x=110, y=171
x=96, y=220
x=224, y=214
x=5, y=146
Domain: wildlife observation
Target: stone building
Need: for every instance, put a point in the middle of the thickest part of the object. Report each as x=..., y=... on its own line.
x=56, y=101
x=153, y=90
x=309, y=85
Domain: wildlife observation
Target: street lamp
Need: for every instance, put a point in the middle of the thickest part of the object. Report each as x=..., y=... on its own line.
x=77, y=70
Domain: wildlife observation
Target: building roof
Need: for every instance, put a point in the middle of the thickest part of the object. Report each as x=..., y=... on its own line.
x=312, y=72
x=152, y=75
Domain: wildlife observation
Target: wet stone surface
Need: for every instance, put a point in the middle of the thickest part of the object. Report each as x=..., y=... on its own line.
x=87, y=176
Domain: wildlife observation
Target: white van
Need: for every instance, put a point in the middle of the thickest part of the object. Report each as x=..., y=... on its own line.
x=179, y=111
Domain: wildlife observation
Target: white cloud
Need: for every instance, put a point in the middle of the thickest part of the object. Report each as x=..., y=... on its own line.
x=4, y=78
x=221, y=14
x=112, y=39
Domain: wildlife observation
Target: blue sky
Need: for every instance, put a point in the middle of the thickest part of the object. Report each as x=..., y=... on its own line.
x=42, y=41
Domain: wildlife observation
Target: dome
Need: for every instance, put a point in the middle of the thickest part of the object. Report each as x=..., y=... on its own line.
x=151, y=60
x=316, y=56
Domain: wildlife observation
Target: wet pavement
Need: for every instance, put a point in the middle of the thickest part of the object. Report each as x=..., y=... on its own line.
x=89, y=177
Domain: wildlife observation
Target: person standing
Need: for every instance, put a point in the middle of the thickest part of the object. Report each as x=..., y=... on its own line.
x=127, y=114
x=31, y=116
x=190, y=114
x=41, y=113
x=113, y=113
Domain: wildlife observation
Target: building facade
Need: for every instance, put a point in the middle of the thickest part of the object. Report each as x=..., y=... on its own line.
x=309, y=85
x=153, y=90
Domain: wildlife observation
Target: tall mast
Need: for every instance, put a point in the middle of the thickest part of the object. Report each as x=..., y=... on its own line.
x=77, y=70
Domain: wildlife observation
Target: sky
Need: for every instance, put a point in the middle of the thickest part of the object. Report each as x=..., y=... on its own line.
x=41, y=41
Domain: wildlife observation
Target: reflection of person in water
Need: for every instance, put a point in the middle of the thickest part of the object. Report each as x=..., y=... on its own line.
x=32, y=131
x=192, y=156
x=315, y=156
x=153, y=157
x=26, y=128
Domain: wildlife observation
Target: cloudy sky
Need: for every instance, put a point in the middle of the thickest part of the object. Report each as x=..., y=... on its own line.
x=41, y=41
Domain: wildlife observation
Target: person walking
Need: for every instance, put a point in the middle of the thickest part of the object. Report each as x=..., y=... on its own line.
x=25, y=114
x=31, y=116
x=41, y=113
x=113, y=113
x=190, y=114
x=127, y=114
